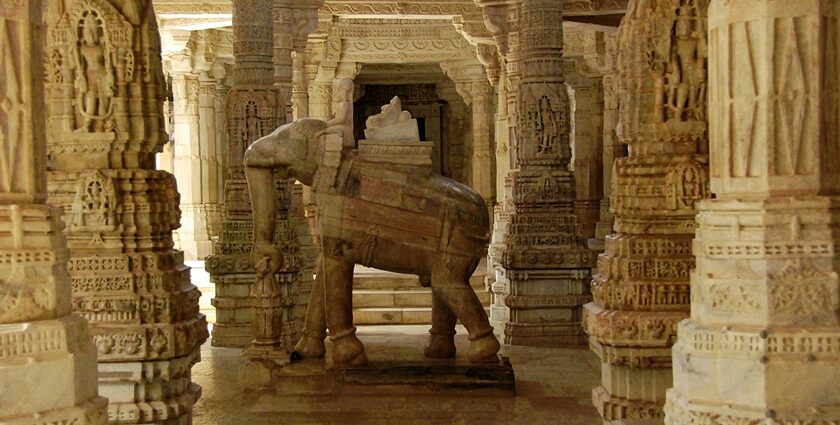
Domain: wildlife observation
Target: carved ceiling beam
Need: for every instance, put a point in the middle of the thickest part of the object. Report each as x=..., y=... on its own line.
x=170, y=9
x=196, y=23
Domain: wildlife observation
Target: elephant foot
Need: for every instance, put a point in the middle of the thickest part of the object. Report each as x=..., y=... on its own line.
x=441, y=346
x=310, y=346
x=483, y=347
x=347, y=349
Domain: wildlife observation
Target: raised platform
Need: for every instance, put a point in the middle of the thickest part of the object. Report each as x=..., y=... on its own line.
x=432, y=377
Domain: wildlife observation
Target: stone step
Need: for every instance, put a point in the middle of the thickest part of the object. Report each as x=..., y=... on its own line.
x=394, y=316
x=402, y=298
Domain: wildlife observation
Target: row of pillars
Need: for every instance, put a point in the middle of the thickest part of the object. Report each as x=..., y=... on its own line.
x=726, y=108
x=761, y=338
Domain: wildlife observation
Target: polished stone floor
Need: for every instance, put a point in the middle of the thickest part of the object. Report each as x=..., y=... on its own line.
x=553, y=387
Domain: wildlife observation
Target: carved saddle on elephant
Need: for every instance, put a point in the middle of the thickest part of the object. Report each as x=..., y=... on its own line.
x=393, y=204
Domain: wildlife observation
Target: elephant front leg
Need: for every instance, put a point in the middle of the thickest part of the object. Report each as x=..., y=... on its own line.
x=311, y=344
x=442, y=334
x=338, y=290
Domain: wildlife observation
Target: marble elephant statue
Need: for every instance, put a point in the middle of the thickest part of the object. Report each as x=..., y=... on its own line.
x=403, y=219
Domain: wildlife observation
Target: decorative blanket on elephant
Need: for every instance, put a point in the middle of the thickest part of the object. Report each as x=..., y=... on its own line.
x=409, y=205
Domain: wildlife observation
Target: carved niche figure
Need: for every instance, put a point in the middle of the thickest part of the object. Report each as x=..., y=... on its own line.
x=394, y=217
x=542, y=119
x=94, y=81
x=94, y=204
x=680, y=81
x=547, y=127
x=688, y=182
x=252, y=118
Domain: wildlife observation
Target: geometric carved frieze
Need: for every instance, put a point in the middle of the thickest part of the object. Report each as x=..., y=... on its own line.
x=123, y=343
x=616, y=328
x=542, y=190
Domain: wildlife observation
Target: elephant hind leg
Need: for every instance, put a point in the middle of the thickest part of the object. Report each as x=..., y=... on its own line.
x=451, y=285
x=442, y=334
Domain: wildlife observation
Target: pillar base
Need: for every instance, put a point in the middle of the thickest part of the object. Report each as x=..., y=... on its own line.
x=150, y=392
x=47, y=370
x=91, y=412
x=785, y=375
x=546, y=307
x=545, y=335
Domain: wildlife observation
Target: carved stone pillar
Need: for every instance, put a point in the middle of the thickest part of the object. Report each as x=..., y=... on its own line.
x=588, y=129
x=545, y=258
x=105, y=96
x=166, y=159
x=191, y=165
x=252, y=112
x=474, y=88
x=259, y=102
x=497, y=279
x=641, y=290
x=762, y=342
x=300, y=84
x=219, y=92
x=612, y=149
x=222, y=150
x=47, y=360
x=479, y=96
x=320, y=100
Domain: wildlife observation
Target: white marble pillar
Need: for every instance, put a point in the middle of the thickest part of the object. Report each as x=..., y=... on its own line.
x=587, y=123
x=47, y=358
x=211, y=169
x=762, y=343
x=545, y=259
x=190, y=163
x=480, y=97
x=641, y=288
x=106, y=126
x=612, y=149
x=221, y=92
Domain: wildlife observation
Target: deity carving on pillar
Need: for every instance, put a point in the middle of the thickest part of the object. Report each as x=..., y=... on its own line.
x=547, y=127
x=95, y=204
x=543, y=119
x=678, y=70
x=94, y=80
x=688, y=182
